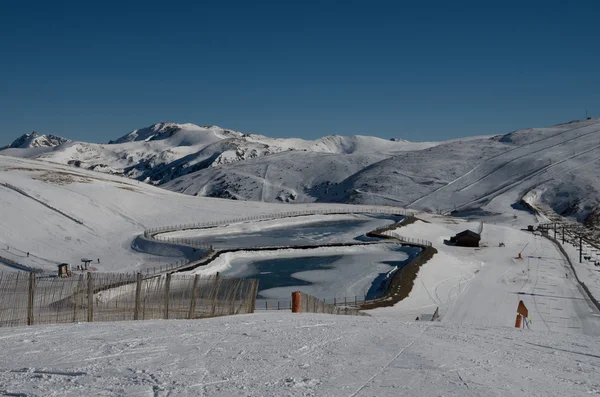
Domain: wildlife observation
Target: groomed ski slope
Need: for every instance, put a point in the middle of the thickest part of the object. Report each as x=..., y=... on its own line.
x=473, y=350
x=534, y=160
x=483, y=286
x=285, y=354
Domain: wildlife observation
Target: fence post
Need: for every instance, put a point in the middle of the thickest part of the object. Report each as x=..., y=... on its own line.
x=254, y=294
x=167, y=293
x=90, y=296
x=30, y=298
x=235, y=290
x=138, y=294
x=194, y=297
x=214, y=302
x=296, y=302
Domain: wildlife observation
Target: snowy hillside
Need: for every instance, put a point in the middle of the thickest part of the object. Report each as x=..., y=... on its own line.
x=58, y=213
x=165, y=151
x=285, y=177
x=558, y=166
x=62, y=214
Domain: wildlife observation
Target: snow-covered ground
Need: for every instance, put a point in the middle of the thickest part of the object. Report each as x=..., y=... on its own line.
x=61, y=214
x=71, y=213
x=483, y=286
x=285, y=354
x=586, y=270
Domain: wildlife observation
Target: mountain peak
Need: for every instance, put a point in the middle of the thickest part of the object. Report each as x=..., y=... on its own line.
x=35, y=140
x=164, y=130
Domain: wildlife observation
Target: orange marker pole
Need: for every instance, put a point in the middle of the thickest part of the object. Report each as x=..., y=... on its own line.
x=296, y=302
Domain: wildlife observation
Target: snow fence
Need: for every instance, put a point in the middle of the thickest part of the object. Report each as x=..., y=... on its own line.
x=305, y=303
x=28, y=299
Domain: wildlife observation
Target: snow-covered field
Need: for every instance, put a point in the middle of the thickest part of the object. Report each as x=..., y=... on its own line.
x=285, y=354
x=58, y=213
x=71, y=213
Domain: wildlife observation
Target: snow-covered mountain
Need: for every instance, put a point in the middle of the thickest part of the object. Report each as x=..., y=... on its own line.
x=556, y=166
x=34, y=140
x=165, y=151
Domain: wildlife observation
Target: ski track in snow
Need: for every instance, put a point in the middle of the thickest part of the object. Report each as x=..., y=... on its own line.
x=474, y=350
x=294, y=355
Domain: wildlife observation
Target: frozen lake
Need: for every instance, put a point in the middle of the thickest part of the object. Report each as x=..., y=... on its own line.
x=331, y=272
x=306, y=230
x=325, y=272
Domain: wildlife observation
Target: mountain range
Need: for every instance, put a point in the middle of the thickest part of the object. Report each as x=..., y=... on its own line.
x=556, y=167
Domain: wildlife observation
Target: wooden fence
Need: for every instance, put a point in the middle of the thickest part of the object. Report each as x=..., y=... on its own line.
x=310, y=304
x=28, y=299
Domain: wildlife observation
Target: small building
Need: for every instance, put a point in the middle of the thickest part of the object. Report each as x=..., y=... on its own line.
x=466, y=239
x=64, y=270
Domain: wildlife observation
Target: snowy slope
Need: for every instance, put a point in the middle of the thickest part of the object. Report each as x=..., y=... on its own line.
x=559, y=165
x=484, y=286
x=71, y=213
x=284, y=177
x=165, y=151
x=285, y=354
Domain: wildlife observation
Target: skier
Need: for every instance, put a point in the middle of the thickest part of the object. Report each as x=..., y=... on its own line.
x=28, y=254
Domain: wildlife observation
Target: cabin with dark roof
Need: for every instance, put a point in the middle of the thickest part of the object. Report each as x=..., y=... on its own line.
x=467, y=238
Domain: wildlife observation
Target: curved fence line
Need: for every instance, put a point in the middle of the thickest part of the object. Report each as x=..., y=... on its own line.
x=204, y=225
x=572, y=233
x=153, y=233
x=20, y=266
x=408, y=240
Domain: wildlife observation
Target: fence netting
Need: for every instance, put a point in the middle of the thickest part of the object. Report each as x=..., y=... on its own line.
x=28, y=299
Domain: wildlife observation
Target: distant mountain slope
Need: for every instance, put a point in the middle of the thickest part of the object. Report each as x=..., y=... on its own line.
x=558, y=165
x=34, y=140
x=165, y=151
x=283, y=177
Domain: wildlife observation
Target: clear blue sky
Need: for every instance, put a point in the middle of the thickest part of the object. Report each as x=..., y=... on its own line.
x=415, y=70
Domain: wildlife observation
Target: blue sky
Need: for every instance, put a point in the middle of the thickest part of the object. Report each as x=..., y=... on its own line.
x=425, y=70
